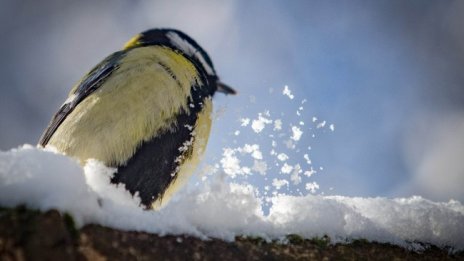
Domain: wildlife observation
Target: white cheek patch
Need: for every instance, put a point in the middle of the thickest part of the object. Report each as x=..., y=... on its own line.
x=186, y=47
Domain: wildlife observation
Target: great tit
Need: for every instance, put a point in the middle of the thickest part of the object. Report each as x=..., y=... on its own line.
x=144, y=110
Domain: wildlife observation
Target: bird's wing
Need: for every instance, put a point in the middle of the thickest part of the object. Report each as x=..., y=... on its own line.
x=91, y=82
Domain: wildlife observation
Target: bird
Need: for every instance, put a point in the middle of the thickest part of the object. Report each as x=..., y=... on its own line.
x=144, y=110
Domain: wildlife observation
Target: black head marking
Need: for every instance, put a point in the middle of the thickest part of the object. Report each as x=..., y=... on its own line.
x=179, y=41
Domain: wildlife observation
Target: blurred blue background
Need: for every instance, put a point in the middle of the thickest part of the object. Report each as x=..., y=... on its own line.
x=388, y=74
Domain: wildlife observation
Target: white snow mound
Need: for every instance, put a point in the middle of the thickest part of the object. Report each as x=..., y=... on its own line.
x=44, y=180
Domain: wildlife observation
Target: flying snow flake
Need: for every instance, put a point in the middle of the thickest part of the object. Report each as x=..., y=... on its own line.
x=286, y=169
x=247, y=148
x=282, y=157
x=314, y=119
x=257, y=155
x=296, y=133
x=309, y=173
x=230, y=163
x=332, y=127
x=260, y=167
x=312, y=187
x=259, y=124
x=278, y=124
x=321, y=125
x=251, y=149
x=244, y=122
x=308, y=160
x=279, y=183
x=287, y=92
x=301, y=123
x=295, y=176
x=237, y=132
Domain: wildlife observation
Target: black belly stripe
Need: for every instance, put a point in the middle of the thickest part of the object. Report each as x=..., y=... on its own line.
x=149, y=170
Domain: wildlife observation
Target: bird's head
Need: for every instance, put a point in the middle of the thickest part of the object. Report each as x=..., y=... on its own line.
x=180, y=41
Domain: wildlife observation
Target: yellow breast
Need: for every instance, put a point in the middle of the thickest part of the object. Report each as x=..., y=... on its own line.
x=138, y=101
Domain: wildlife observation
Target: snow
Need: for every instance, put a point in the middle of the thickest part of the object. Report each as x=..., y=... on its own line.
x=253, y=150
x=286, y=169
x=321, y=125
x=279, y=183
x=296, y=133
x=259, y=124
x=282, y=157
x=230, y=163
x=278, y=124
x=308, y=160
x=245, y=122
x=287, y=92
x=215, y=208
x=260, y=167
x=312, y=187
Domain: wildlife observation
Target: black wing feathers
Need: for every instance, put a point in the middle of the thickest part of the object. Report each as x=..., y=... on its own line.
x=91, y=82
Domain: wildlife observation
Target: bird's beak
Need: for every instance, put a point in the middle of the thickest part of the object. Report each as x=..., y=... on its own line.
x=221, y=87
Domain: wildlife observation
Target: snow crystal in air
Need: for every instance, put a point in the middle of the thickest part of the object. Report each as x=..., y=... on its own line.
x=286, y=169
x=296, y=133
x=310, y=172
x=282, y=157
x=321, y=124
x=287, y=92
x=259, y=124
x=253, y=150
x=295, y=176
x=260, y=167
x=245, y=122
x=308, y=160
x=312, y=187
x=278, y=124
x=279, y=183
x=332, y=127
x=230, y=163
